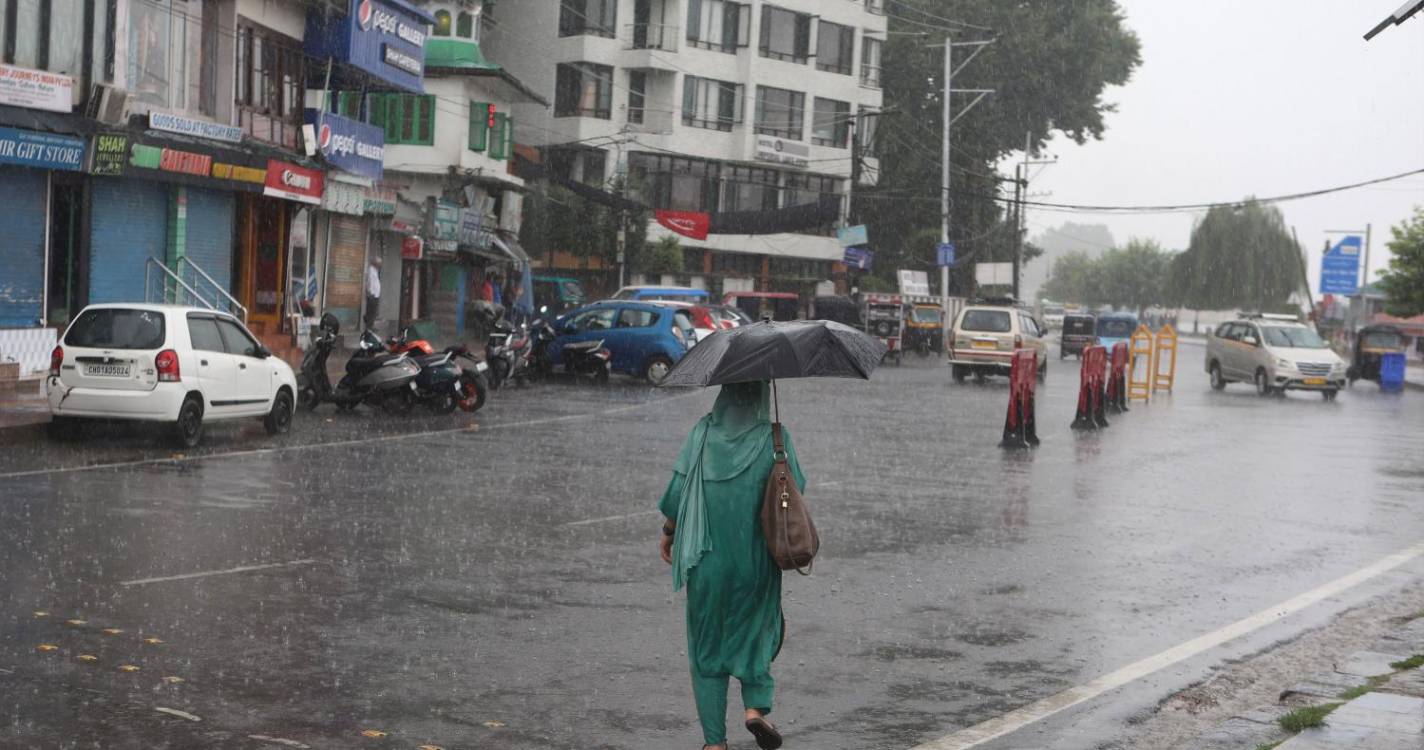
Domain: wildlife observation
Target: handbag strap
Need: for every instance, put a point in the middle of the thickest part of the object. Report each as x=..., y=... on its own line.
x=778, y=444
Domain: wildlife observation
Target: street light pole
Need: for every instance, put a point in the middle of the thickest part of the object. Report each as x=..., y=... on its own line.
x=944, y=173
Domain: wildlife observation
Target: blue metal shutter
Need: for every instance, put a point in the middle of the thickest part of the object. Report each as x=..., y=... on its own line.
x=210, y=233
x=22, y=252
x=130, y=225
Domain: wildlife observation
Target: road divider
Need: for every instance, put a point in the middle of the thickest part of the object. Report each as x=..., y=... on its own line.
x=1164, y=350
x=1091, y=388
x=1116, y=396
x=1019, y=428
x=1141, y=351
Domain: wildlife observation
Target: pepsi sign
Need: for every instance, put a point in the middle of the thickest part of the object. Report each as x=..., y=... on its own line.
x=349, y=145
x=383, y=38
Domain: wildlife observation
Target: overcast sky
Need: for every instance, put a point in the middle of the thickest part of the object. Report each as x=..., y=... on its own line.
x=1262, y=97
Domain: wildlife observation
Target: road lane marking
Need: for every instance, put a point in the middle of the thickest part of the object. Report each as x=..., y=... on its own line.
x=176, y=712
x=206, y=573
x=1019, y=718
x=181, y=459
x=623, y=517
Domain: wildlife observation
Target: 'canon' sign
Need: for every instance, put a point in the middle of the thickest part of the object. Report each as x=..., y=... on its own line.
x=298, y=181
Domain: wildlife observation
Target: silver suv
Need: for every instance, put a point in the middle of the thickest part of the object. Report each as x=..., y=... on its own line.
x=1276, y=354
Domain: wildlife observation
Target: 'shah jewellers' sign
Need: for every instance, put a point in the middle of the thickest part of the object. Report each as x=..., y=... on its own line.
x=36, y=89
x=292, y=182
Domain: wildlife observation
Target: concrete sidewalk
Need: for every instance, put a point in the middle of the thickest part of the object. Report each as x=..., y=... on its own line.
x=1414, y=375
x=1374, y=721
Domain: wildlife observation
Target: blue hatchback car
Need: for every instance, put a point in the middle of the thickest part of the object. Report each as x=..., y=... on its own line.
x=1114, y=327
x=646, y=339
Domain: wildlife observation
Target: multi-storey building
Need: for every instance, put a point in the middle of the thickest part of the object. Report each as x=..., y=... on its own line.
x=710, y=106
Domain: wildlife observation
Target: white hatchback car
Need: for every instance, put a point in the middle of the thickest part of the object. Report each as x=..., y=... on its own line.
x=165, y=363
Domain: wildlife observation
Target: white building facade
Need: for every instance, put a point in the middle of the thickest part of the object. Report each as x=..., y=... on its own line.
x=711, y=106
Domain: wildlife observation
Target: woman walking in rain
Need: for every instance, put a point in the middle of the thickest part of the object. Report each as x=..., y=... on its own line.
x=713, y=539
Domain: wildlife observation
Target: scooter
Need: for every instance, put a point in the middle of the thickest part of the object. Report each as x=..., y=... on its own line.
x=581, y=359
x=506, y=351
x=443, y=383
x=372, y=376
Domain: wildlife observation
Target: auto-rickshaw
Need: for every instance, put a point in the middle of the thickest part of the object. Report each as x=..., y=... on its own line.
x=1080, y=331
x=924, y=328
x=1370, y=343
x=884, y=316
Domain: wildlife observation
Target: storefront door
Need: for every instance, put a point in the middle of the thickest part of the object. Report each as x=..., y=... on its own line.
x=261, y=267
x=63, y=285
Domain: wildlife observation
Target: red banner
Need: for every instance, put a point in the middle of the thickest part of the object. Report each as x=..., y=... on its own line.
x=412, y=248
x=292, y=182
x=692, y=224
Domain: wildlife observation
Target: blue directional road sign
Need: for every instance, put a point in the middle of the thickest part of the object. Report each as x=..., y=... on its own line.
x=1340, y=266
x=945, y=254
x=859, y=257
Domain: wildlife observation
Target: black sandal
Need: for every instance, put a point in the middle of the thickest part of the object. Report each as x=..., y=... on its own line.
x=767, y=737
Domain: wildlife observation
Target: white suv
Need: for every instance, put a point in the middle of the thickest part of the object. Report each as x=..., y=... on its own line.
x=165, y=363
x=985, y=337
x=1275, y=355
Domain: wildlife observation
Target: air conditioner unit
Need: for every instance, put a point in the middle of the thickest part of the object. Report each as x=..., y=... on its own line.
x=107, y=104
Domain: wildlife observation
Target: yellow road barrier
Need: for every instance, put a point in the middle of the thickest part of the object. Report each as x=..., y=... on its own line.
x=1165, y=349
x=1140, y=348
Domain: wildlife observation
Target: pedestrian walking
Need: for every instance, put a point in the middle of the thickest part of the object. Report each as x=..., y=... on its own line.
x=373, y=291
x=713, y=539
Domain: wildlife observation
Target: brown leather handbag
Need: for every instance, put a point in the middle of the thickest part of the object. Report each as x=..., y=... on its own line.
x=790, y=535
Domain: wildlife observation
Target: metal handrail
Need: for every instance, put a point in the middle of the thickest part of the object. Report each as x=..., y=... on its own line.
x=154, y=262
x=232, y=301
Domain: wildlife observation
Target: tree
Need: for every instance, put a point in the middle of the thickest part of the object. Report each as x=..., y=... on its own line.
x=1050, y=66
x=1403, y=283
x=1071, y=278
x=1134, y=277
x=1240, y=256
x=663, y=256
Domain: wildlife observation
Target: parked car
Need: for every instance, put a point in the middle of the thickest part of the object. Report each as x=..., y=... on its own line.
x=728, y=316
x=985, y=337
x=1276, y=355
x=757, y=305
x=704, y=323
x=1080, y=331
x=165, y=363
x=669, y=293
x=558, y=293
x=1114, y=327
x=646, y=338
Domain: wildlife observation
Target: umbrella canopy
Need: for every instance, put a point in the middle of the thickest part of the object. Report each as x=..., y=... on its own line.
x=770, y=351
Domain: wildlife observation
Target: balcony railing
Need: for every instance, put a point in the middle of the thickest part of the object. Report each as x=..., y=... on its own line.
x=870, y=76
x=648, y=120
x=655, y=36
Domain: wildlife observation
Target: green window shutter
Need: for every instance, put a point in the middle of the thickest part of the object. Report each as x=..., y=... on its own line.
x=479, y=126
x=349, y=104
x=376, y=110
x=424, y=119
x=497, y=139
x=509, y=137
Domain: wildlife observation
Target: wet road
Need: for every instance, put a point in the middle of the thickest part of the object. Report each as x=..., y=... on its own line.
x=495, y=584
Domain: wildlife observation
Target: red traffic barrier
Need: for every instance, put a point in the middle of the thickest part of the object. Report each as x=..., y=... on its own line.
x=1116, y=397
x=1090, y=392
x=1019, y=428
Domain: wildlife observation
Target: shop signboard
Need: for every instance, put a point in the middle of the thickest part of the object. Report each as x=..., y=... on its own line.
x=28, y=148
x=344, y=198
x=781, y=151
x=157, y=158
x=380, y=200
x=111, y=151
x=294, y=183
x=412, y=247
x=383, y=38
x=197, y=128
x=347, y=144
x=36, y=89
x=446, y=222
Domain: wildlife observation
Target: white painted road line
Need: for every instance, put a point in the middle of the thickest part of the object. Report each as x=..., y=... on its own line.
x=623, y=517
x=207, y=573
x=1021, y=717
x=344, y=443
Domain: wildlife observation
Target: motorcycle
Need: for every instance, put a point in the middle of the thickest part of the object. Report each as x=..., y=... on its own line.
x=443, y=383
x=581, y=359
x=506, y=351
x=372, y=376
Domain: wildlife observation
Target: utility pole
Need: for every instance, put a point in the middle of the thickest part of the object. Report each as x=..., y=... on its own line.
x=1021, y=195
x=949, y=117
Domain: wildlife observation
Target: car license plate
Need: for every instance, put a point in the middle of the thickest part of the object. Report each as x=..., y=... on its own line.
x=1315, y=381
x=120, y=371
x=986, y=345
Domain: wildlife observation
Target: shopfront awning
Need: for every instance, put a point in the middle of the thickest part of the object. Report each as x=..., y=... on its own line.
x=510, y=246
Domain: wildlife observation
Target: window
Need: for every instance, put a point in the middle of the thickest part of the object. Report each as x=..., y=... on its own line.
x=117, y=328
x=830, y=123
x=718, y=24
x=1027, y=326
x=203, y=334
x=583, y=90
x=835, y=45
x=407, y=119
x=875, y=6
x=750, y=189
x=481, y=123
x=268, y=89
x=711, y=104
x=634, y=318
x=158, y=52
x=442, y=23
x=237, y=340
x=780, y=112
x=594, y=320
x=593, y=17
x=208, y=57
x=870, y=62
x=785, y=35
x=674, y=182
x=802, y=189
x=986, y=321
x=865, y=125
x=465, y=26
x=637, y=95
x=586, y=165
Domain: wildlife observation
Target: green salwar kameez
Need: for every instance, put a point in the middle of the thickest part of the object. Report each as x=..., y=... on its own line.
x=734, y=621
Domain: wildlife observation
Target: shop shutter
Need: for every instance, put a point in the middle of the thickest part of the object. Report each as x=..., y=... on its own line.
x=210, y=236
x=22, y=253
x=130, y=225
x=346, y=276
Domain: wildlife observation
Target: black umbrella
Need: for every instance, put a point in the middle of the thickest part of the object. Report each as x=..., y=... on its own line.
x=768, y=351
